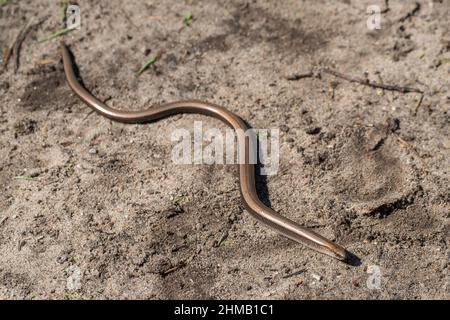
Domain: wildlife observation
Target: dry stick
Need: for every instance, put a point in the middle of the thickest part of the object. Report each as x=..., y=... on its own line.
x=412, y=13
x=372, y=84
x=9, y=51
x=20, y=39
x=17, y=45
x=386, y=7
x=419, y=103
x=6, y=55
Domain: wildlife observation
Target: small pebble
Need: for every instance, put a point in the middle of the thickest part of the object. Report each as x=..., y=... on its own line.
x=33, y=173
x=93, y=151
x=63, y=258
x=312, y=130
x=316, y=276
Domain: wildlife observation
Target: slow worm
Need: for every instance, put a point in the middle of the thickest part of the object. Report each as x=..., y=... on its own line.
x=254, y=206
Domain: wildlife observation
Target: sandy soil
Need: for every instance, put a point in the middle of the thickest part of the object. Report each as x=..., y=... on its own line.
x=93, y=209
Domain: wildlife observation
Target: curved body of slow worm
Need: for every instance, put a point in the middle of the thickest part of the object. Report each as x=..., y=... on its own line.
x=249, y=195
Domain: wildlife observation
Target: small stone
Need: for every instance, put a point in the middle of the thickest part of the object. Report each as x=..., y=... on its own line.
x=92, y=151
x=146, y=51
x=312, y=130
x=33, y=173
x=296, y=75
x=393, y=124
x=290, y=140
x=74, y=278
x=63, y=258
x=316, y=276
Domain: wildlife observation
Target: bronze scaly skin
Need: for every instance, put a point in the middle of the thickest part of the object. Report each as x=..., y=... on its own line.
x=254, y=206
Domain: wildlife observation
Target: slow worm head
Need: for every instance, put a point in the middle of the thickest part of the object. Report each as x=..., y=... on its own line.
x=254, y=206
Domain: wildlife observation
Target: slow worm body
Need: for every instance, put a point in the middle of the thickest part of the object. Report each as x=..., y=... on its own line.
x=253, y=205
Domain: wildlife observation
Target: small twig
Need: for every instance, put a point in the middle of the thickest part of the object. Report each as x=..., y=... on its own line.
x=17, y=45
x=3, y=221
x=408, y=147
x=20, y=39
x=223, y=237
x=332, y=89
x=46, y=62
x=372, y=84
x=298, y=76
x=412, y=13
x=296, y=273
x=88, y=114
x=14, y=49
x=174, y=268
x=419, y=103
x=386, y=7
x=20, y=244
x=6, y=56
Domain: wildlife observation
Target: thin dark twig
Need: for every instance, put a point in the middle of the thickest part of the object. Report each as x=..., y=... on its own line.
x=6, y=56
x=386, y=7
x=372, y=84
x=17, y=45
x=298, y=76
x=296, y=273
x=20, y=39
x=412, y=13
x=9, y=51
x=419, y=103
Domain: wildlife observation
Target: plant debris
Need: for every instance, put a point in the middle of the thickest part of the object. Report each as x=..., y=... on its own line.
x=55, y=35
x=148, y=63
x=187, y=17
x=366, y=82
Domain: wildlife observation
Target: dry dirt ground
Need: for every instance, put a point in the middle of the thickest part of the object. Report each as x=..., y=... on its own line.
x=93, y=209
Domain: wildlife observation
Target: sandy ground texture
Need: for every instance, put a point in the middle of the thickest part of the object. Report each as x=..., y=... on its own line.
x=91, y=208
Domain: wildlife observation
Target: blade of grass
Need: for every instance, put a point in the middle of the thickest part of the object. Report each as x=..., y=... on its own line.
x=147, y=64
x=187, y=18
x=64, y=5
x=28, y=178
x=3, y=2
x=55, y=35
x=418, y=104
